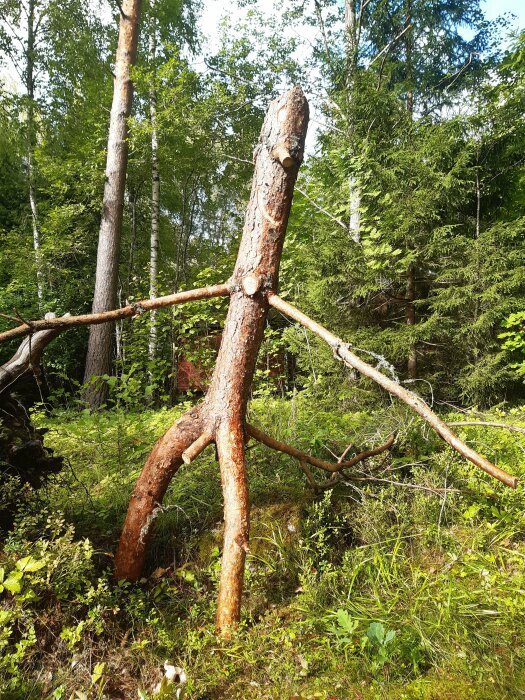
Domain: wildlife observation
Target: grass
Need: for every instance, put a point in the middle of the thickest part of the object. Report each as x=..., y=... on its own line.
x=438, y=573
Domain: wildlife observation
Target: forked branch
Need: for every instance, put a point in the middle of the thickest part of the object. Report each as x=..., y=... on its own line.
x=344, y=354
x=303, y=457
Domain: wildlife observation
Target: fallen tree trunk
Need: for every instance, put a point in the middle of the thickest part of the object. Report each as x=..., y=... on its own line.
x=27, y=358
x=22, y=452
x=220, y=418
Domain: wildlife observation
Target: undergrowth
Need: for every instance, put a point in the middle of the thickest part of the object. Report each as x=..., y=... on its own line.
x=409, y=586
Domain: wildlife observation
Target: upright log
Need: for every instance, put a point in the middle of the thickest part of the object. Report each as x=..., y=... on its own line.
x=221, y=417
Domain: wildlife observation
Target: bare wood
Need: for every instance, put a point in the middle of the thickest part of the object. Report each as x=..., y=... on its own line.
x=251, y=284
x=145, y=504
x=68, y=321
x=259, y=256
x=195, y=449
x=230, y=447
x=222, y=413
x=27, y=358
x=341, y=352
x=304, y=457
x=282, y=154
x=489, y=424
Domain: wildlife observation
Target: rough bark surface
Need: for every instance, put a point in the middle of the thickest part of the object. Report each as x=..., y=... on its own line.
x=222, y=414
x=145, y=504
x=100, y=337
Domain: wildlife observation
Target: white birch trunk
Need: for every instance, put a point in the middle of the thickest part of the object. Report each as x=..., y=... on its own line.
x=354, y=199
x=155, y=194
x=30, y=90
x=354, y=217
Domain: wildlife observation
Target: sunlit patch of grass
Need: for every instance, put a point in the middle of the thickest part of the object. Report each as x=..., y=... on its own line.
x=384, y=591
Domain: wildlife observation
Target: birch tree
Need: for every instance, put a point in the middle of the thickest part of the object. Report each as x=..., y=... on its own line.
x=23, y=27
x=155, y=188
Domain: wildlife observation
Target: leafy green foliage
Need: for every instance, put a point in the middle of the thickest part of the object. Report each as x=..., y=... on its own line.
x=386, y=588
x=514, y=340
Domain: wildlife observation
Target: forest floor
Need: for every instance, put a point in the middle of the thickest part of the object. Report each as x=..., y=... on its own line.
x=405, y=590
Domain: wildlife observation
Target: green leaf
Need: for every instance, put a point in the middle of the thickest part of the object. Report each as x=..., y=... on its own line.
x=12, y=582
x=28, y=564
x=376, y=633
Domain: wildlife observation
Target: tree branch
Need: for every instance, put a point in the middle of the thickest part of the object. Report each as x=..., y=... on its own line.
x=490, y=424
x=135, y=309
x=342, y=353
x=305, y=458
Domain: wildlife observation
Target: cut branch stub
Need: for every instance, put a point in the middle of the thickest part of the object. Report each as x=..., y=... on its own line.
x=221, y=416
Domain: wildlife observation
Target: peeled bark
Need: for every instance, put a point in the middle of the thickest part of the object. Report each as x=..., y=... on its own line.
x=342, y=352
x=145, y=504
x=100, y=337
x=129, y=311
x=221, y=417
x=27, y=358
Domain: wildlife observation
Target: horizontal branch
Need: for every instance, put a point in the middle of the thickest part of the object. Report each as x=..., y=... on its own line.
x=342, y=353
x=303, y=457
x=135, y=309
x=489, y=424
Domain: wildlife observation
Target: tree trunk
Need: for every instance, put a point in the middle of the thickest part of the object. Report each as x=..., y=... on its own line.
x=352, y=39
x=409, y=45
x=354, y=217
x=410, y=315
x=155, y=194
x=411, y=274
x=100, y=337
x=30, y=89
x=221, y=417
